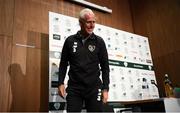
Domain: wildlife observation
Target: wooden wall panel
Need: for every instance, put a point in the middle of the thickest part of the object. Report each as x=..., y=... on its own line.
x=6, y=33
x=29, y=77
x=25, y=21
x=159, y=20
x=6, y=17
x=30, y=74
x=5, y=61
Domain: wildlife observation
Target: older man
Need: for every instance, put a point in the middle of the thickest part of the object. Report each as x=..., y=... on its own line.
x=87, y=56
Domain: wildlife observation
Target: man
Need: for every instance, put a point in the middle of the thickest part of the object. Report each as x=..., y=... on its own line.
x=87, y=56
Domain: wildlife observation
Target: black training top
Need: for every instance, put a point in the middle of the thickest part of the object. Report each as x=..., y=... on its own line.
x=84, y=59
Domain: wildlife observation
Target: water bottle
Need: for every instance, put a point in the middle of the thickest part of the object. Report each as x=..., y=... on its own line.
x=169, y=92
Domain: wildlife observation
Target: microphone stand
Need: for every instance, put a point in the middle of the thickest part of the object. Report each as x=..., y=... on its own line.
x=160, y=93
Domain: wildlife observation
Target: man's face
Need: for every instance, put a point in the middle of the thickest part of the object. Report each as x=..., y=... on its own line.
x=88, y=24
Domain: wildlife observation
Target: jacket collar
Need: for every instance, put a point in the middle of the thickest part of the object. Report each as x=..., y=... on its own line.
x=80, y=36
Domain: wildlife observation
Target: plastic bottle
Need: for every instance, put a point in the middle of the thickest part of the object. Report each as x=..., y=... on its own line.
x=168, y=87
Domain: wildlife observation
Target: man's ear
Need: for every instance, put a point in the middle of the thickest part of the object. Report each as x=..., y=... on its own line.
x=80, y=22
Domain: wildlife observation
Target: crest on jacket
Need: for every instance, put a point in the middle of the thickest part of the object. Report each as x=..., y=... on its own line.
x=91, y=48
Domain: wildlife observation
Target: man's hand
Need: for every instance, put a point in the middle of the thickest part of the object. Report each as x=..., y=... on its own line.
x=61, y=90
x=105, y=96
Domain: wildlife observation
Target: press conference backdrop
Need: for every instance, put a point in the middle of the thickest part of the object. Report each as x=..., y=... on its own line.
x=131, y=66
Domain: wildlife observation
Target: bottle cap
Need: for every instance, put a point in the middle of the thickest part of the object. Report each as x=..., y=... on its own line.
x=166, y=75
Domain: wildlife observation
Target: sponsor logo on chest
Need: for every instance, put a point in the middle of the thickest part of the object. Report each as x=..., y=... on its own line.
x=74, y=47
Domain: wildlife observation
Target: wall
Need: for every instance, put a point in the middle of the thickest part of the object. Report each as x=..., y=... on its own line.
x=159, y=20
x=24, y=47
x=6, y=36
